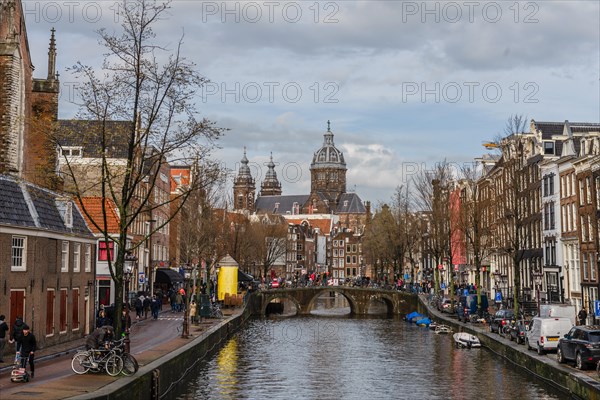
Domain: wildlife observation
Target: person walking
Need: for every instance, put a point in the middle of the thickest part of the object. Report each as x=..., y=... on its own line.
x=28, y=347
x=16, y=333
x=193, y=310
x=155, y=306
x=582, y=316
x=3, y=330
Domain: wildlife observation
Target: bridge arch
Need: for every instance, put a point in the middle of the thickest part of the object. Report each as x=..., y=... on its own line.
x=358, y=298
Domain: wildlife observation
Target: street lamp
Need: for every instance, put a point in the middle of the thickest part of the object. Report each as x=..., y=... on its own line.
x=128, y=266
x=537, y=276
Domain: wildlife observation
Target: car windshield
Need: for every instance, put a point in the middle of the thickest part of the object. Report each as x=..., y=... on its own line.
x=595, y=337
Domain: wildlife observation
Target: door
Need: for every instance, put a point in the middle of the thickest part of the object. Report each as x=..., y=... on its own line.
x=17, y=306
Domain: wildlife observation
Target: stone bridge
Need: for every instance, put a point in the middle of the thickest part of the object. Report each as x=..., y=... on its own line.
x=358, y=297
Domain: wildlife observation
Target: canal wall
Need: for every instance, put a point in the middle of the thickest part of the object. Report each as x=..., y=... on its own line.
x=571, y=382
x=158, y=378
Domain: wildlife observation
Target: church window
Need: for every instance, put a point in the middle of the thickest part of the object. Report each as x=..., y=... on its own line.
x=322, y=156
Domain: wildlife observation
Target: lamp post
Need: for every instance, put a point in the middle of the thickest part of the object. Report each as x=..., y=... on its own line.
x=537, y=276
x=185, y=331
x=128, y=265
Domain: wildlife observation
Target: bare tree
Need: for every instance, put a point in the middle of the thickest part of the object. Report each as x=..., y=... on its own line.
x=433, y=197
x=268, y=238
x=471, y=222
x=154, y=91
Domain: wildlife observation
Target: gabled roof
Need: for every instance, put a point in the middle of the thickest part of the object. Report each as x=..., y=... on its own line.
x=350, y=203
x=325, y=225
x=26, y=205
x=557, y=128
x=283, y=205
x=87, y=134
x=93, y=206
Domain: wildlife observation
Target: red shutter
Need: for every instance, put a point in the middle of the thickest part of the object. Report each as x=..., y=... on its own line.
x=17, y=305
x=75, y=309
x=63, y=310
x=49, y=312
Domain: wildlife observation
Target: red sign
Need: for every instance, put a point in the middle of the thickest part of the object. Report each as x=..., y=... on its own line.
x=456, y=268
x=483, y=268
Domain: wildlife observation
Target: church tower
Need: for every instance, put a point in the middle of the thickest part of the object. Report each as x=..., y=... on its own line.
x=244, y=187
x=328, y=171
x=270, y=186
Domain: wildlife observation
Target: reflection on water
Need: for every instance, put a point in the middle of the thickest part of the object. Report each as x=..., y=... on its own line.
x=335, y=357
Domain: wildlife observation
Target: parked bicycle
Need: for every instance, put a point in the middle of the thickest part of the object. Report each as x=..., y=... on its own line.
x=215, y=310
x=130, y=364
x=97, y=360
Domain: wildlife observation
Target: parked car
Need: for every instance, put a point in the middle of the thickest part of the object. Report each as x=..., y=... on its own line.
x=274, y=284
x=500, y=320
x=467, y=306
x=445, y=305
x=544, y=333
x=518, y=330
x=582, y=345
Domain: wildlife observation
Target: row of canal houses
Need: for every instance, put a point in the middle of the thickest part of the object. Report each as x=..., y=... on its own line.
x=53, y=262
x=542, y=187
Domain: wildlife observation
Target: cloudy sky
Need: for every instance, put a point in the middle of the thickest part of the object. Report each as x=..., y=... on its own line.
x=405, y=84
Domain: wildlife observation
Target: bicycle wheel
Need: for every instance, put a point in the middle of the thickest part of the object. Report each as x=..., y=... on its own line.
x=114, y=365
x=81, y=363
x=218, y=313
x=130, y=365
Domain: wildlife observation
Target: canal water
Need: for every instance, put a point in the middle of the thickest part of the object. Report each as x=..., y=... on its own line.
x=331, y=355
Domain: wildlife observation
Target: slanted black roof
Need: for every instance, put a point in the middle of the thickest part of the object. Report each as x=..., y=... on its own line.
x=350, y=203
x=26, y=205
x=87, y=134
x=557, y=128
x=269, y=204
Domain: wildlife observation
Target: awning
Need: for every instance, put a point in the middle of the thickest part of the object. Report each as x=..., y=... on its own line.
x=167, y=275
x=242, y=277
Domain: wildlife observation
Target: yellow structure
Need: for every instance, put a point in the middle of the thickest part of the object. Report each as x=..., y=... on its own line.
x=227, y=282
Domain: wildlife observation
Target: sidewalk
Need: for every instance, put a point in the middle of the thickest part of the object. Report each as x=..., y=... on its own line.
x=73, y=385
x=57, y=350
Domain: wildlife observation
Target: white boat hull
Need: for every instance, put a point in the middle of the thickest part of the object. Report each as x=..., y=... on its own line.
x=464, y=339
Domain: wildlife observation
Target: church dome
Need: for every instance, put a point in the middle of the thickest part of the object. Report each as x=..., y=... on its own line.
x=328, y=156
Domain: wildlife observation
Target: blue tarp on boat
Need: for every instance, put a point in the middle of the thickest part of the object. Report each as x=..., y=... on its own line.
x=413, y=316
x=424, y=321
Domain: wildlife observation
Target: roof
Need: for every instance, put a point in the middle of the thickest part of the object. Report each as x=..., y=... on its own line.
x=557, y=128
x=23, y=204
x=280, y=204
x=325, y=225
x=87, y=134
x=350, y=203
x=93, y=206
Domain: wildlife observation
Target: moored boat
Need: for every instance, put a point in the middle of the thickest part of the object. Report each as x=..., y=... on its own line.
x=464, y=339
x=441, y=329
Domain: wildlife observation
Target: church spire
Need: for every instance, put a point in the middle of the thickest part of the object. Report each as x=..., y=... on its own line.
x=52, y=57
x=271, y=185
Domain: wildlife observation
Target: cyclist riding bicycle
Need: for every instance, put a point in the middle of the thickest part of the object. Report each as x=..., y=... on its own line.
x=101, y=336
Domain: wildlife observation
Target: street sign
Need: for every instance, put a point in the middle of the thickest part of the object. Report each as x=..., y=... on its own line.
x=443, y=286
x=597, y=308
x=142, y=278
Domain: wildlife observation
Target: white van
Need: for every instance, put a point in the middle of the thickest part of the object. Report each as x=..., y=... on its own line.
x=544, y=333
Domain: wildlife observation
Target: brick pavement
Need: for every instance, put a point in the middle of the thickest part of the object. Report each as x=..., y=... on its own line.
x=75, y=385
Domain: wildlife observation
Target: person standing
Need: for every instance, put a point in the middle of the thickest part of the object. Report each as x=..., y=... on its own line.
x=582, y=316
x=3, y=330
x=155, y=306
x=28, y=347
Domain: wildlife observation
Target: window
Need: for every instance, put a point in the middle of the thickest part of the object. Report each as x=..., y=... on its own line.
x=592, y=269
x=585, y=268
x=104, y=249
x=64, y=260
x=348, y=248
x=88, y=258
x=69, y=215
x=76, y=257
x=548, y=147
x=63, y=311
x=19, y=253
x=49, y=312
x=71, y=151
x=75, y=316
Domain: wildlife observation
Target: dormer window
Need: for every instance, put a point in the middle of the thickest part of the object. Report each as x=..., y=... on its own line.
x=345, y=203
x=71, y=151
x=69, y=215
x=549, y=148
